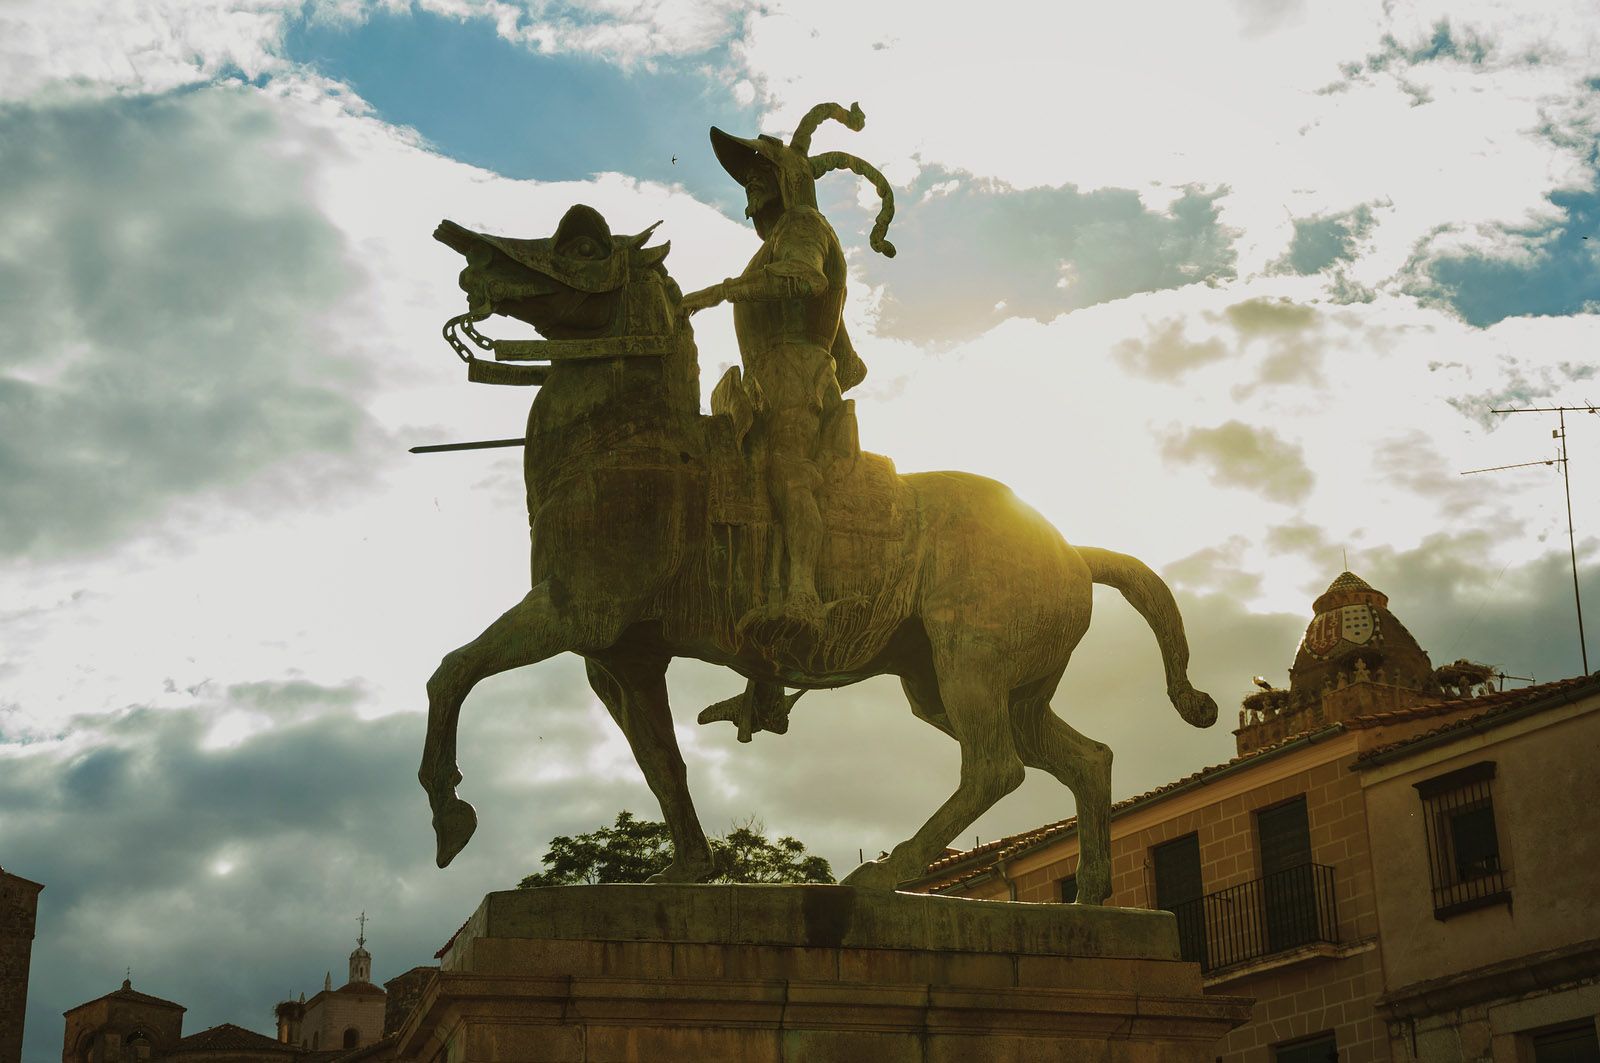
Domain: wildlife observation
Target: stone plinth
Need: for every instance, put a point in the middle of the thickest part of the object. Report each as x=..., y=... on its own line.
x=810, y=974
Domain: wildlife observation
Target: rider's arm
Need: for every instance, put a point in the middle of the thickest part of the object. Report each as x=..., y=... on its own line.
x=800, y=247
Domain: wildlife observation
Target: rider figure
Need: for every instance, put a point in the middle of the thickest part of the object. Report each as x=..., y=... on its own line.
x=788, y=307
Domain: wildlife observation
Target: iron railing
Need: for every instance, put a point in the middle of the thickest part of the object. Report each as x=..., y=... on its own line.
x=1259, y=918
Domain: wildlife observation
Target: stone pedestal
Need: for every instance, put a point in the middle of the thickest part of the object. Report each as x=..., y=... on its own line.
x=810, y=974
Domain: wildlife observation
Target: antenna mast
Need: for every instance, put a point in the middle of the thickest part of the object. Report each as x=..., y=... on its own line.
x=1572, y=546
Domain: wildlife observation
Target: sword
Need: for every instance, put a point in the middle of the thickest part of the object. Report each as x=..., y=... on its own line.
x=479, y=444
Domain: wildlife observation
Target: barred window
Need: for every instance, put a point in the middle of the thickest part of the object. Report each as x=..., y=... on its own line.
x=1464, y=858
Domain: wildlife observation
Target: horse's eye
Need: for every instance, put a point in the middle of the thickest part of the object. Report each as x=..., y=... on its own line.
x=582, y=247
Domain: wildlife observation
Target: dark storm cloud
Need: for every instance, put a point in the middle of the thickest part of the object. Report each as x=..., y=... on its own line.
x=228, y=872
x=973, y=244
x=1237, y=455
x=1546, y=269
x=161, y=283
x=1324, y=239
x=1459, y=601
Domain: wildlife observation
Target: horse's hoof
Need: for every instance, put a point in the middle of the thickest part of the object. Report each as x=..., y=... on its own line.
x=452, y=827
x=1093, y=893
x=872, y=875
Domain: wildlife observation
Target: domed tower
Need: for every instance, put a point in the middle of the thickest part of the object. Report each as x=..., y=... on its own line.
x=1356, y=658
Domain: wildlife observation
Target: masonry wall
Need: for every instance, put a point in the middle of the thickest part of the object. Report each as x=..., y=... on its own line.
x=19, y=907
x=1545, y=792
x=330, y=1014
x=1298, y=994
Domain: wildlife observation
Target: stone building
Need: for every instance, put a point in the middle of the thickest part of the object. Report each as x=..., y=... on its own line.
x=19, y=909
x=348, y=1017
x=350, y=1024
x=1352, y=868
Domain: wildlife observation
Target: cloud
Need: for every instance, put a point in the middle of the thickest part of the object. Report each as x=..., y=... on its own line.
x=1220, y=569
x=1324, y=239
x=1546, y=267
x=1237, y=455
x=77, y=48
x=1166, y=352
x=165, y=285
x=977, y=252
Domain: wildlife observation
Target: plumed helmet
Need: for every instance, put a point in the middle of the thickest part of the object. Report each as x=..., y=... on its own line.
x=797, y=171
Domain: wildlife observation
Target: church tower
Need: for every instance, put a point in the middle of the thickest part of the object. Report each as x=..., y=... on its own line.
x=1356, y=658
x=361, y=959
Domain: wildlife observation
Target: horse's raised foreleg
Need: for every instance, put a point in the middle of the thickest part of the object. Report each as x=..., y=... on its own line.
x=632, y=682
x=975, y=702
x=527, y=633
x=1084, y=767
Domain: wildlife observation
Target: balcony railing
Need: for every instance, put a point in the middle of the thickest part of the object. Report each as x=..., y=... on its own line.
x=1268, y=915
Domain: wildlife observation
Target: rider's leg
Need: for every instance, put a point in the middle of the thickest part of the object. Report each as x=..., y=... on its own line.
x=795, y=481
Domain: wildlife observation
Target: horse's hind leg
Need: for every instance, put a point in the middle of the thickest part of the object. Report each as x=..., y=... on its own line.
x=527, y=633
x=1084, y=767
x=975, y=699
x=632, y=682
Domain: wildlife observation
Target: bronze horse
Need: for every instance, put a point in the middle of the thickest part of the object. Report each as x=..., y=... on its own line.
x=943, y=579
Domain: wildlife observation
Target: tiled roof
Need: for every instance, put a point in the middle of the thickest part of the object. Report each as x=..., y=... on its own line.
x=229, y=1038
x=965, y=866
x=1017, y=843
x=1348, y=581
x=1493, y=705
x=132, y=995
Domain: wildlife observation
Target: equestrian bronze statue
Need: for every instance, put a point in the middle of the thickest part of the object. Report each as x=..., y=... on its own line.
x=760, y=536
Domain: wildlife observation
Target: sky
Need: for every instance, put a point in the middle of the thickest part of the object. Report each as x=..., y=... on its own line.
x=1232, y=286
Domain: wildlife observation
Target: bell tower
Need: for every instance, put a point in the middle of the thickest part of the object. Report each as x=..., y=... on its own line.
x=361, y=959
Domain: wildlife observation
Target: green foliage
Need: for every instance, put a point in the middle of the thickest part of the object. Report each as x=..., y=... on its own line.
x=632, y=849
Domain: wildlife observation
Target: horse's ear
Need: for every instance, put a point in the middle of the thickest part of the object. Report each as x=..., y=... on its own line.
x=652, y=256
x=638, y=242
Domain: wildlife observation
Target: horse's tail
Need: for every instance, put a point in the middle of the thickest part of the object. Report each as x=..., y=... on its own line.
x=1149, y=595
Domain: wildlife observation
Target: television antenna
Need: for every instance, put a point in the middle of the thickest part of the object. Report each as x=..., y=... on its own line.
x=1559, y=433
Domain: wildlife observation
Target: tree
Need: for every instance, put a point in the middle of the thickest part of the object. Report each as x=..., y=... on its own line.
x=632, y=849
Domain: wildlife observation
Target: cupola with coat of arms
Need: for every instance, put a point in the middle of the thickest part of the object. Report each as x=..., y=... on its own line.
x=1356, y=658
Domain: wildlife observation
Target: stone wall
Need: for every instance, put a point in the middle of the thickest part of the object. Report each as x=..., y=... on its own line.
x=19, y=905
x=405, y=992
x=1299, y=995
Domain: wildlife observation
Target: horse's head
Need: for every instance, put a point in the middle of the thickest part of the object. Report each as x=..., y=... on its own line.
x=568, y=286
x=594, y=297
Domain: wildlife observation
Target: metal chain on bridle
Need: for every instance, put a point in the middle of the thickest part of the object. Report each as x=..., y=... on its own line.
x=464, y=322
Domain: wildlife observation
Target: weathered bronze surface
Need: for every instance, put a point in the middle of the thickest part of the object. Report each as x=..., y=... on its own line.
x=761, y=537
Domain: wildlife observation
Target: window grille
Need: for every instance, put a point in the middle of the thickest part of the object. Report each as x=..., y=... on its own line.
x=1464, y=859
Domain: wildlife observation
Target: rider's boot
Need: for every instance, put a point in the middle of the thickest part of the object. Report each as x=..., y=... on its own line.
x=760, y=707
x=802, y=539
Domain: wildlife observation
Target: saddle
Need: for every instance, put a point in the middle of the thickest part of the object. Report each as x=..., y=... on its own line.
x=860, y=496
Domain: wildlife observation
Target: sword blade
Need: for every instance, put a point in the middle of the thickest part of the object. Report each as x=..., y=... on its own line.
x=480, y=444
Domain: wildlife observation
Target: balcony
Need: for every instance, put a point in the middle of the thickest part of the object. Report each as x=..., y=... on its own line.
x=1256, y=919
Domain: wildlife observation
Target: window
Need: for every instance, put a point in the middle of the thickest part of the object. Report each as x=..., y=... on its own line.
x=1178, y=890
x=352, y=1037
x=137, y=1047
x=1288, y=885
x=1568, y=1044
x=1464, y=858
x=1318, y=1049
x=1069, y=889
